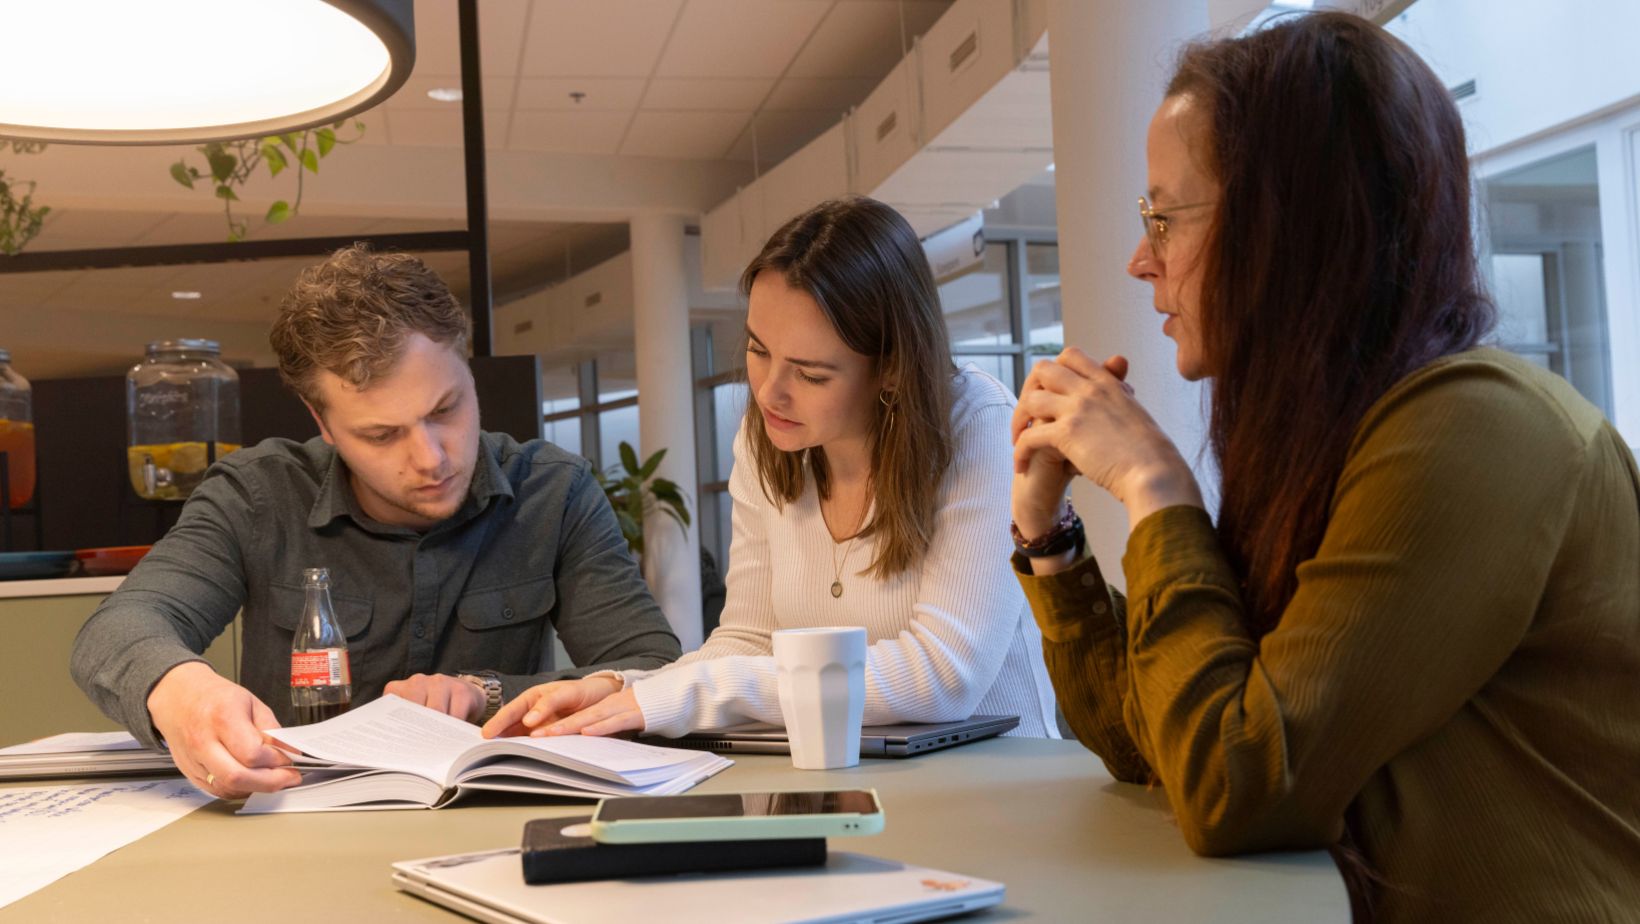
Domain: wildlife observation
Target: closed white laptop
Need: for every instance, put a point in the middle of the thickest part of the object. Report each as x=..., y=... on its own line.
x=849, y=888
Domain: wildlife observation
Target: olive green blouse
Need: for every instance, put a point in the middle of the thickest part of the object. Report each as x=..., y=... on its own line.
x=1456, y=681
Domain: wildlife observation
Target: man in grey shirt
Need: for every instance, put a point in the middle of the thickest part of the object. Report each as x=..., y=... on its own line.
x=450, y=550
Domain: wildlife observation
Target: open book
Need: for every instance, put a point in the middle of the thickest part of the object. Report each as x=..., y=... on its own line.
x=392, y=753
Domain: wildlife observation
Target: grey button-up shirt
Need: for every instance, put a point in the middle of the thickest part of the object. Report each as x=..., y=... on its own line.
x=534, y=543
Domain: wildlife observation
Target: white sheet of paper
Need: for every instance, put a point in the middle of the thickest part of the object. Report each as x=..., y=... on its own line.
x=75, y=742
x=47, y=832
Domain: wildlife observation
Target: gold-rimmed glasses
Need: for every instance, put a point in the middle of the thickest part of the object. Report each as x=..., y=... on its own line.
x=1156, y=222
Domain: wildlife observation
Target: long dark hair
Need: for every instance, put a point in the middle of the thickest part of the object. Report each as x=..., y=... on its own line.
x=1340, y=261
x=863, y=265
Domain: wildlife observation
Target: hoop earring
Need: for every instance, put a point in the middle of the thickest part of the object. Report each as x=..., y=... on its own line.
x=888, y=418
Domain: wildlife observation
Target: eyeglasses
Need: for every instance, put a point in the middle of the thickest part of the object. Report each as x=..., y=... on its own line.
x=1156, y=224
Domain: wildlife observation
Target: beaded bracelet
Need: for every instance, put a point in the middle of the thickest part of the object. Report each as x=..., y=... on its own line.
x=1066, y=534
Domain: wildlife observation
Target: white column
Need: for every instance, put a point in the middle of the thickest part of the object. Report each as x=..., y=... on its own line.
x=666, y=415
x=1108, y=63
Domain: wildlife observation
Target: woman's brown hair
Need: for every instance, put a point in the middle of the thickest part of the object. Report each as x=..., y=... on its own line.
x=863, y=265
x=1340, y=261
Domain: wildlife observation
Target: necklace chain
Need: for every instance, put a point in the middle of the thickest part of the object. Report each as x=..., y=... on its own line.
x=837, y=565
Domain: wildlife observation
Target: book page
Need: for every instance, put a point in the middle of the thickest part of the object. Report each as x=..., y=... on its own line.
x=389, y=733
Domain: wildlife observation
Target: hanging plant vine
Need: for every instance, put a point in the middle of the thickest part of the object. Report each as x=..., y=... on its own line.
x=231, y=164
x=20, y=218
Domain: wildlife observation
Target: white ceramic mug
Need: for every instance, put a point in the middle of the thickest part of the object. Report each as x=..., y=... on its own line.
x=822, y=682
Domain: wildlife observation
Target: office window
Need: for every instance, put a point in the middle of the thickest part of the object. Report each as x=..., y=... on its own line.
x=1545, y=262
x=1552, y=149
x=1044, y=320
x=615, y=427
x=976, y=302
x=728, y=409
x=1001, y=367
x=562, y=423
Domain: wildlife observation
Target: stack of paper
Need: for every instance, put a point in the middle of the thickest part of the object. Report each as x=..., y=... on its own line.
x=82, y=754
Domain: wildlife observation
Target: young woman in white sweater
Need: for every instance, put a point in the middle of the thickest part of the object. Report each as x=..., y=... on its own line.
x=869, y=482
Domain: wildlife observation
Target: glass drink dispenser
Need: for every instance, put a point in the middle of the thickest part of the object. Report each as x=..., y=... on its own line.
x=16, y=432
x=182, y=405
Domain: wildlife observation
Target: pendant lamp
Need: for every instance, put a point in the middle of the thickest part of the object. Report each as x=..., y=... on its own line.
x=190, y=71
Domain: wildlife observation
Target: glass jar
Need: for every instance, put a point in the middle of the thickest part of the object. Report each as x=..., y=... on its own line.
x=16, y=433
x=182, y=410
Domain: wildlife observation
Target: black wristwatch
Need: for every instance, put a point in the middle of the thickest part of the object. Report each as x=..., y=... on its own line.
x=1065, y=535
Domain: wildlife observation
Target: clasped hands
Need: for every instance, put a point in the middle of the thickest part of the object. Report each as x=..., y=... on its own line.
x=1080, y=417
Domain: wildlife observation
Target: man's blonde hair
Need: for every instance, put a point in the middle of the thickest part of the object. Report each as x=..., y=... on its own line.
x=351, y=315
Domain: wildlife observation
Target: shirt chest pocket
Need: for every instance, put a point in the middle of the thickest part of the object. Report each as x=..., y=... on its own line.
x=352, y=613
x=500, y=608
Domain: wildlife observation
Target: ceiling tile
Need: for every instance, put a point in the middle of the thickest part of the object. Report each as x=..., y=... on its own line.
x=416, y=225
x=378, y=127
x=714, y=37
x=779, y=134
x=861, y=38
x=442, y=127
x=20, y=290
x=73, y=229
x=694, y=135
x=718, y=93
x=568, y=132
x=437, y=37
x=834, y=93
x=187, y=228
x=602, y=94
x=609, y=38
x=500, y=30
x=498, y=93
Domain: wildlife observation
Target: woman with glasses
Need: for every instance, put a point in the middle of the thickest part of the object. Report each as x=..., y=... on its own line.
x=869, y=476
x=1412, y=631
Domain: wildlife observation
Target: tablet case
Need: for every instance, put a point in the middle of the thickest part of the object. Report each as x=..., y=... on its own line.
x=562, y=850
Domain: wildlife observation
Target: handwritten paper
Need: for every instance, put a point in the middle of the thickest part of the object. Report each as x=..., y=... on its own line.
x=47, y=832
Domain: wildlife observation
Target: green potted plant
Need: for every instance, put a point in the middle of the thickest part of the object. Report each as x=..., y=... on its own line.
x=633, y=489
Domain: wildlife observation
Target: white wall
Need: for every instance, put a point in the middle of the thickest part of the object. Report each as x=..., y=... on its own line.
x=1536, y=63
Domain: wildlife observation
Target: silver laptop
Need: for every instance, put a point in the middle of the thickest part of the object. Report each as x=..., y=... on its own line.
x=875, y=740
x=850, y=888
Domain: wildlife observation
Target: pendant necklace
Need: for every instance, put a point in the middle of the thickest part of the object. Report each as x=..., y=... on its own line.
x=837, y=566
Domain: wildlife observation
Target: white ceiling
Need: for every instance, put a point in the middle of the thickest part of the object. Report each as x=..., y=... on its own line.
x=691, y=79
x=709, y=81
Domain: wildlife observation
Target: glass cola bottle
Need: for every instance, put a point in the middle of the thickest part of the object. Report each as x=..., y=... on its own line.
x=321, y=686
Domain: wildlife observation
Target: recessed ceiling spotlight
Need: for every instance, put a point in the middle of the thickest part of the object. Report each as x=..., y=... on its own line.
x=186, y=295
x=445, y=94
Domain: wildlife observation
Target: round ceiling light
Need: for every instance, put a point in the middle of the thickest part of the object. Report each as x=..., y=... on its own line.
x=188, y=71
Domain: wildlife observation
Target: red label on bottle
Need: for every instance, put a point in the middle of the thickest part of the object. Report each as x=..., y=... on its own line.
x=326, y=667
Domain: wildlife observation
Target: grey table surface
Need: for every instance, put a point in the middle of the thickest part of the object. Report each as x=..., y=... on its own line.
x=1040, y=816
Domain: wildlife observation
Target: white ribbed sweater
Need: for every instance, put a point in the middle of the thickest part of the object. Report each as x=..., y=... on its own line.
x=950, y=639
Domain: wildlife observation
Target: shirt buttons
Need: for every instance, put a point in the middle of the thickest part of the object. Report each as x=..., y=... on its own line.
x=1099, y=606
x=421, y=632
x=1089, y=580
x=507, y=613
